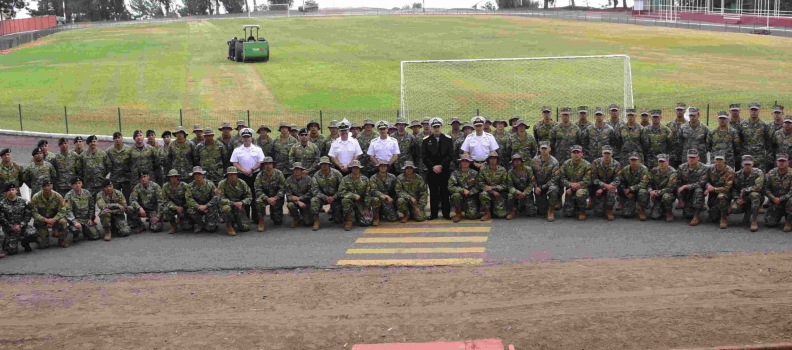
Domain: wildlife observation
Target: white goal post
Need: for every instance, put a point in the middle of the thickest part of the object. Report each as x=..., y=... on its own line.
x=505, y=87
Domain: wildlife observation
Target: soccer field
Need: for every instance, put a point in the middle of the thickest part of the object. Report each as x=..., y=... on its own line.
x=352, y=63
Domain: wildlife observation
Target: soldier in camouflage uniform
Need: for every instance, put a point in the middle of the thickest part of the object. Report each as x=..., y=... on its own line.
x=383, y=194
x=416, y=127
x=355, y=193
x=583, y=123
x=112, y=206
x=79, y=145
x=38, y=171
x=747, y=192
x=49, y=212
x=772, y=128
x=270, y=187
x=10, y=171
x=520, y=182
x=281, y=148
x=264, y=141
x=413, y=194
x=306, y=153
x=597, y=135
x=456, y=129
x=44, y=145
x=173, y=202
x=575, y=178
x=408, y=146
x=236, y=140
x=615, y=121
x=226, y=137
x=203, y=205
x=778, y=188
x=299, y=192
x=144, y=202
x=693, y=134
x=15, y=215
x=543, y=129
x=212, y=157
x=676, y=126
x=720, y=179
x=199, y=136
x=492, y=182
x=563, y=136
x=464, y=190
x=313, y=133
x=662, y=189
x=724, y=139
x=503, y=138
x=364, y=140
x=522, y=142
x=755, y=137
x=656, y=138
x=82, y=212
x=67, y=166
x=293, y=131
x=629, y=135
x=142, y=159
x=95, y=165
x=782, y=139
x=324, y=149
x=605, y=183
x=163, y=154
x=235, y=198
x=735, y=122
x=120, y=158
x=327, y=191
x=467, y=129
x=546, y=169
x=151, y=141
x=645, y=120
x=692, y=183
x=181, y=155
x=633, y=188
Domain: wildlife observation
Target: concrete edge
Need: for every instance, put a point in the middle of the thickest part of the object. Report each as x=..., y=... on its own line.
x=70, y=137
x=776, y=346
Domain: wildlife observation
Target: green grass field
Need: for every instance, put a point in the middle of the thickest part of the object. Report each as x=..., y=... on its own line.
x=350, y=67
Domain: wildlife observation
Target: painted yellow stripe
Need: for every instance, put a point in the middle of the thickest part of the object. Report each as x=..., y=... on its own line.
x=410, y=262
x=416, y=250
x=435, y=222
x=469, y=239
x=403, y=230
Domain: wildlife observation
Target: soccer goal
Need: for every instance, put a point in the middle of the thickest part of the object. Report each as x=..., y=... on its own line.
x=506, y=87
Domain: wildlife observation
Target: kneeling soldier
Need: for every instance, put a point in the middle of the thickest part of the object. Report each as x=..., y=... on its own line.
x=355, y=192
x=144, y=202
x=203, y=205
x=82, y=212
x=778, y=189
x=235, y=200
x=546, y=169
x=747, y=192
x=692, y=182
x=299, y=192
x=720, y=178
x=575, y=177
x=464, y=190
x=413, y=194
x=662, y=189
x=174, y=202
x=491, y=181
x=383, y=194
x=270, y=188
x=327, y=191
x=633, y=184
x=112, y=206
x=49, y=212
x=520, y=183
x=15, y=215
x=605, y=182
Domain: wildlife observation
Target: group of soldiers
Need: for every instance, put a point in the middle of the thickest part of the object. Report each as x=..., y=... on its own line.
x=602, y=165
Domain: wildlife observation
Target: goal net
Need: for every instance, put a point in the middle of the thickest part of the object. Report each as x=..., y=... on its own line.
x=506, y=87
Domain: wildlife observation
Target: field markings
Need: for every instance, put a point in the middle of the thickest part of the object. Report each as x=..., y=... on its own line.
x=414, y=250
x=403, y=230
x=411, y=262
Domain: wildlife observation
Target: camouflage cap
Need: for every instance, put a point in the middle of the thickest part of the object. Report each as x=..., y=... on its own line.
x=516, y=156
x=400, y=120
x=723, y=114
x=734, y=107
x=681, y=105
x=662, y=157
x=267, y=160
x=546, y=109
x=583, y=109
x=382, y=124
x=197, y=128
x=747, y=159
x=302, y=131
x=225, y=125
x=455, y=120
x=577, y=148
x=312, y=122
x=598, y=110
x=630, y=111
x=656, y=113
x=208, y=132
x=544, y=144
x=180, y=129
x=466, y=158
x=46, y=181
x=754, y=105
x=566, y=110
x=173, y=172
x=283, y=125
x=368, y=122
x=720, y=155
x=514, y=118
x=292, y=127
x=522, y=122
x=644, y=112
x=415, y=123
x=354, y=164
x=425, y=120
x=325, y=160
x=231, y=170
x=408, y=164
x=241, y=123
x=333, y=124
x=263, y=127
x=197, y=170
x=782, y=156
x=477, y=120
x=298, y=165
x=381, y=162
x=500, y=120
x=607, y=149
x=466, y=125
x=613, y=107
x=493, y=154
x=693, y=110
x=354, y=126
x=635, y=155
x=487, y=120
x=692, y=153
x=788, y=118
x=778, y=108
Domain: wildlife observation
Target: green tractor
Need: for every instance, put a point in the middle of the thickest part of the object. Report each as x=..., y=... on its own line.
x=250, y=48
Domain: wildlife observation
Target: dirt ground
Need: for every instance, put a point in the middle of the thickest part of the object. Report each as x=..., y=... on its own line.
x=655, y=303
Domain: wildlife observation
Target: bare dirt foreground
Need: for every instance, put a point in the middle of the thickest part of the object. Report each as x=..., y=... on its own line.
x=655, y=303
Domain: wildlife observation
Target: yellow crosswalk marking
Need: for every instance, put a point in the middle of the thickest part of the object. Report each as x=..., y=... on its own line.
x=461, y=239
x=410, y=262
x=416, y=250
x=402, y=230
x=434, y=222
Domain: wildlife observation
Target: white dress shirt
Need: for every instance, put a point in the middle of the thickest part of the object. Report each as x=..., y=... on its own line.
x=247, y=157
x=383, y=149
x=345, y=151
x=479, y=147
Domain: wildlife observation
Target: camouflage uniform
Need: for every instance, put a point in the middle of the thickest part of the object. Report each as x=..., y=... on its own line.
x=182, y=158
x=693, y=138
x=318, y=141
x=164, y=162
x=772, y=128
x=515, y=183
x=120, y=167
x=563, y=138
x=782, y=142
x=171, y=199
x=629, y=141
x=203, y=195
x=677, y=148
x=157, y=176
x=408, y=148
x=386, y=187
x=12, y=213
x=656, y=140
x=213, y=159
x=142, y=160
x=280, y=154
x=594, y=138
x=457, y=152
x=719, y=198
x=267, y=147
x=747, y=192
x=49, y=208
x=498, y=182
x=35, y=174
x=779, y=186
x=235, y=142
x=547, y=177
x=308, y=155
x=505, y=148
x=459, y=182
x=272, y=186
x=67, y=166
x=365, y=161
x=527, y=147
x=696, y=179
x=362, y=209
x=575, y=173
x=406, y=190
x=543, y=132
x=726, y=142
x=11, y=174
x=666, y=185
x=230, y=194
x=602, y=174
x=117, y=205
x=94, y=169
x=82, y=209
x=303, y=189
x=327, y=186
x=755, y=139
x=324, y=149
x=148, y=199
x=637, y=181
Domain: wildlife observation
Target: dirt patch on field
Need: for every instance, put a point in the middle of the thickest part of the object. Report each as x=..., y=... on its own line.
x=629, y=304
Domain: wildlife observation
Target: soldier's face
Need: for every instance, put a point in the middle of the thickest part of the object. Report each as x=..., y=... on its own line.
x=11, y=194
x=208, y=138
x=198, y=178
x=599, y=117
x=45, y=147
x=354, y=132
x=77, y=187
x=565, y=117
x=391, y=130
x=546, y=114
x=232, y=178
x=520, y=128
x=545, y=151
x=7, y=157
x=174, y=180
x=268, y=167
x=467, y=131
x=723, y=121
x=425, y=126
x=139, y=138
x=614, y=114
x=455, y=126
x=754, y=113
x=464, y=164
x=356, y=171
x=293, y=133
x=284, y=131
x=64, y=147
x=631, y=118
x=401, y=128
x=93, y=144
x=693, y=160
x=47, y=189
x=606, y=155
x=634, y=162
x=583, y=116
x=145, y=180
x=719, y=162
x=644, y=118
x=777, y=116
x=782, y=163
x=517, y=163
x=314, y=128
x=118, y=140
x=298, y=172
x=181, y=137
x=263, y=132
x=409, y=171
x=735, y=113
x=656, y=119
x=304, y=138
x=416, y=129
x=680, y=112
x=38, y=156
x=493, y=161
x=334, y=131
x=226, y=132
x=325, y=167
x=198, y=134
x=501, y=126
x=747, y=166
x=383, y=168
x=787, y=126
x=166, y=140
x=577, y=155
x=368, y=127
x=662, y=164
x=78, y=144
x=108, y=190
x=694, y=117
x=151, y=138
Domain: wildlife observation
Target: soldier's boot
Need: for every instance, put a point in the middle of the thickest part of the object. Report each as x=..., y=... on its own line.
x=761, y=210
x=63, y=244
x=589, y=204
x=641, y=214
x=316, y=223
x=558, y=205
x=696, y=219
x=376, y=220
x=172, y=229
x=754, y=225
x=139, y=229
x=2, y=255
x=108, y=233
x=724, y=222
x=582, y=215
x=347, y=224
x=787, y=227
x=457, y=214
x=405, y=217
x=487, y=214
x=618, y=206
x=55, y=233
x=294, y=223
x=609, y=214
x=680, y=204
x=417, y=213
x=512, y=214
x=230, y=229
x=262, y=224
x=197, y=230
x=669, y=216
x=551, y=214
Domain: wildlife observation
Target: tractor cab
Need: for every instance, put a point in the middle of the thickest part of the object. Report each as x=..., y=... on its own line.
x=249, y=37
x=250, y=47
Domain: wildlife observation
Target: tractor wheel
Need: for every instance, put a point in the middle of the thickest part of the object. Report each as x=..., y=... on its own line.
x=238, y=55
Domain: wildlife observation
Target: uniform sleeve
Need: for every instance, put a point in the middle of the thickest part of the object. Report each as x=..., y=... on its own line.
x=315, y=167
x=248, y=195
x=401, y=192
x=339, y=180
x=672, y=184
x=36, y=215
x=757, y=185
x=4, y=223
x=188, y=194
x=100, y=202
x=788, y=194
x=307, y=194
x=586, y=177
x=63, y=209
x=643, y=181
x=215, y=199
x=292, y=158
x=26, y=216
x=768, y=192
x=374, y=188
x=453, y=184
x=595, y=178
x=134, y=198
x=728, y=182
x=500, y=181
x=283, y=189
x=511, y=183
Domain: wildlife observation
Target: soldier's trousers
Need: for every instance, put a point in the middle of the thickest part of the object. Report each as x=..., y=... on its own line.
x=133, y=217
x=361, y=210
x=662, y=205
x=43, y=233
x=335, y=209
x=276, y=211
x=125, y=187
x=525, y=205
x=496, y=206
x=576, y=202
x=467, y=204
x=91, y=233
x=386, y=211
x=234, y=216
x=774, y=213
x=170, y=215
x=12, y=240
x=603, y=202
x=717, y=204
x=407, y=208
x=205, y=221
x=631, y=205
x=304, y=215
x=118, y=222
x=546, y=199
x=694, y=202
x=750, y=205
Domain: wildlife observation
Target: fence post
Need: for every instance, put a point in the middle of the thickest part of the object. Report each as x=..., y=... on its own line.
x=66, y=117
x=556, y=114
x=321, y=124
x=119, y=119
x=248, y=112
x=477, y=112
x=20, y=118
x=397, y=114
x=181, y=116
x=708, y=114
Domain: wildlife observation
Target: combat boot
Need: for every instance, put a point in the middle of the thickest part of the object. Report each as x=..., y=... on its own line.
x=230, y=229
x=457, y=215
x=347, y=224
x=582, y=215
x=63, y=244
x=618, y=206
x=316, y=223
x=754, y=225
x=376, y=220
x=589, y=204
x=761, y=210
x=669, y=216
x=417, y=213
x=172, y=229
x=55, y=233
x=405, y=217
x=787, y=227
x=609, y=215
x=551, y=214
x=512, y=214
x=487, y=215
x=293, y=223
x=696, y=220
x=262, y=224
x=641, y=214
x=724, y=222
x=108, y=234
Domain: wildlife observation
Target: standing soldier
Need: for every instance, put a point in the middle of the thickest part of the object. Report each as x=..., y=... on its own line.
x=735, y=122
x=164, y=155
x=199, y=135
x=226, y=137
x=181, y=154
x=120, y=164
x=520, y=184
x=313, y=132
x=383, y=194
x=44, y=145
x=264, y=141
x=212, y=157
x=49, y=212
x=203, y=205
x=503, y=138
x=81, y=213
x=299, y=192
x=583, y=123
x=513, y=124
x=355, y=192
x=546, y=169
x=633, y=187
x=151, y=141
x=79, y=145
x=411, y=190
x=364, y=140
x=605, y=183
x=615, y=121
x=235, y=198
x=564, y=136
x=692, y=135
x=144, y=202
x=325, y=148
x=326, y=192
x=754, y=137
x=467, y=129
x=777, y=124
x=94, y=164
x=629, y=135
x=67, y=166
x=656, y=138
x=747, y=191
x=293, y=131
x=645, y=118
x=456, y=129
x=662, y=189
x=778, y=188
x=10, y=171
x=720, y=178
x=270, y=187
x=676, y=127
x=464, y=190
x=782, y=139
x=281, y=149
x=491, y=181
x=344, y=149
x=417, y=133
x=173, y=202
x=306, y=153
x=522, y=142
x=543, y=129
x=384, y=148
x=37, y=172
x=597, y=135
x=692, y=183
x=724, y=139
x=143, y=159
x=15, y=215
x=236, y=141
x=480, y=145
x=354, y=130
x=575, y=177
x=112, y=206
x=408, y=146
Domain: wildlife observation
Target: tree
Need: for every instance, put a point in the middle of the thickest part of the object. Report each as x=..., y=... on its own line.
x=406, y=7
x=416, y=5
x=196, y=7
x=489, y=6
x=9, y=7
x=144, y=8
x=547, y=3
x=168, y=5
x=234, y=6
x=281, y=3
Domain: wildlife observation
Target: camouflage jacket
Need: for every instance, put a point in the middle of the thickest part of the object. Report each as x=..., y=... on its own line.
x=11, y=174
x=692, y=138
x=694, y=178
x=182, y=158
x=120, y=163
x=350, y=188
x=94, y=168
x=163, y=152
x=201, y=195
x=594, y=138
x=546, y=172
x=144, y=159
x=678, y=148
x=48, y=157
x=318, y=141
x=563, y=138
x=115, y=202
x=147, y=198
x=543, y=131
x=755, y=137
x=365, y=141
x=602, y=174
x=302, y=188
x=408, y=148
x=505, y=146
x=616, y=125
x=324, y=148
x=265, y=145
x=663, y=182
x=195, y=141
x=745, y=184
x=409, y=189
x=584, y=127
x=381, y=187
x=772, y=128
x=172, y=198
x=280, y=154
x=722, y=180
x=16, y=212
x=656, y=140
x=213, y=159
x=526, y=147
x=576, y=173
x=273, y=185
x=629, y=140
x=67, y=166
x=736, y=125
x=778, y=185
x=308, y=155
x=782, y=142
x=35, y=174
x=234, y=193
x=235, y=142
x=81, y=206
x=48, y=208
x=726, y=141
x=498, y=180
x=327, y=185
x=459, y=182
x=524, y=181
x=634, y=180
x=457, y=150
